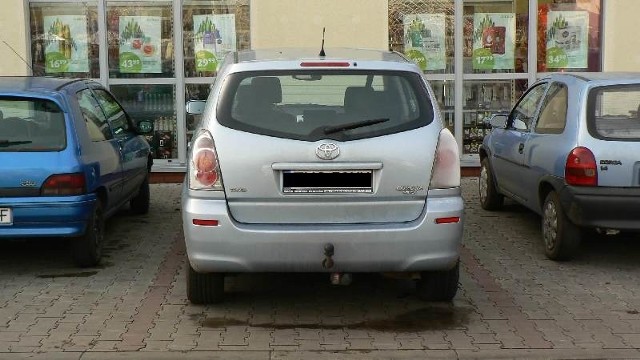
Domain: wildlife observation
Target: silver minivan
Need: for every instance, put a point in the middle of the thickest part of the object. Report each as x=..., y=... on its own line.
x=308, y=163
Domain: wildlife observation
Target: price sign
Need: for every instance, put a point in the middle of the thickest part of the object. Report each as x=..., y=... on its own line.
x=56, y=62
x=206, y=61
x=483, y=59
x=557, y=58
x=130, y=63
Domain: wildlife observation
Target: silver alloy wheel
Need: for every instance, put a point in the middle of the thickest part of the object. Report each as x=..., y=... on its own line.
x=550, y=225
x=484, y=184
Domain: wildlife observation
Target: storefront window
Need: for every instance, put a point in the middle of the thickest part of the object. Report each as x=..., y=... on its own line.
x=495, y=36
x=140, y=39
x=195, y=92
x=64, y=39
x=569, y=35
x=424, y=31
x=482, y=99
x=212, y=29
x=154, y=102
x=445, y=95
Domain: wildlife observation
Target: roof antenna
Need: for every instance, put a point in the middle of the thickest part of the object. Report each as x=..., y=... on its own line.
x=18, y=55
x=322, y=54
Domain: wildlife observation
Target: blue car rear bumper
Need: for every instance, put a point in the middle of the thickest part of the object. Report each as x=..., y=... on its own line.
x=47, y=216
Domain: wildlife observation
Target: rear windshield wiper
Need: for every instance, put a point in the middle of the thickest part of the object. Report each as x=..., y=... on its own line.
x=9, y=143
x=334, y=129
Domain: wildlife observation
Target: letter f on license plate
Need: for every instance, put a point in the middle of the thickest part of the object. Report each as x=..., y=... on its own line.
x=6, y=218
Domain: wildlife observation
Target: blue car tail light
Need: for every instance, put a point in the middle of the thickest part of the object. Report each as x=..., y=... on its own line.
x=64, y=184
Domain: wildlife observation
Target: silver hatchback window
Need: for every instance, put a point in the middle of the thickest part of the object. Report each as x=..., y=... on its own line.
x=309, y=105
x=614, y=112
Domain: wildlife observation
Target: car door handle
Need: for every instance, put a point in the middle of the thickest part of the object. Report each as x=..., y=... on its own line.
x=521, y=148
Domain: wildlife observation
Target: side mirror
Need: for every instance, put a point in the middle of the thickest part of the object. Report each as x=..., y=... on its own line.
x=145, y=126
x=195, y=107
x=519, y=124
x=498, y=121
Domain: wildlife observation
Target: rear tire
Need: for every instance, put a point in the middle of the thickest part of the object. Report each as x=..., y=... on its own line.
x=204, y=288
x=87, y=249
x=561, y=237
x=490, y=198
x=140, y=203
x=439, y=285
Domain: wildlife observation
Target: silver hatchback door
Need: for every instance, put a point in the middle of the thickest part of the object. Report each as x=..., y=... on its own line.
x=325, y=146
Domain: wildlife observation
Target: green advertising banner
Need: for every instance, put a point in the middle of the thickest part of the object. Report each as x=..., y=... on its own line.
x=140, y=41
x=493, y=41
x=424, y=36
x=66, y=44
x=567, y=40
x=213, y=37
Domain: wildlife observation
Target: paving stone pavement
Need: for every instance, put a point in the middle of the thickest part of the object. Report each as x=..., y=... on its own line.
x=512, y=302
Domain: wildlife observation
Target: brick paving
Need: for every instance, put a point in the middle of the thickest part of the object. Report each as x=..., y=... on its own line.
x=512, y=302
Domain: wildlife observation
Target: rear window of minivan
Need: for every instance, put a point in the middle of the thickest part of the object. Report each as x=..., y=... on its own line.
x=324, y=104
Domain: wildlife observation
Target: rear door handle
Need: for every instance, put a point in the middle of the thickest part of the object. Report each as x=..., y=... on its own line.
x=521, y=148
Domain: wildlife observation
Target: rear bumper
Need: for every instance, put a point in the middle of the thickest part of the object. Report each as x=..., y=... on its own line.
x=604, y=207
x=47, y=216
x=418, y=245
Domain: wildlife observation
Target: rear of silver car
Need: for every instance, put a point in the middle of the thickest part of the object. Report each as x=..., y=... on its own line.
x=604, y=190
x=322, y=166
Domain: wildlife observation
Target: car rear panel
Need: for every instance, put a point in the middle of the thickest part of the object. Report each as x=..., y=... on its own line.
x=613, y=133
x=418, y=245
x=376, y=180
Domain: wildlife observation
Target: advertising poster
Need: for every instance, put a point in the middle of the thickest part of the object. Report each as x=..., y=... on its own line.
x=140, y=41
x=567, y=39
x=66, y=44
x=213, y=37
x=493, y=41
x=424, y=40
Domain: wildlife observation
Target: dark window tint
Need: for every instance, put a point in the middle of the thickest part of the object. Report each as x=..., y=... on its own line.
x=94, y=117
x=553, y=113
x=614, y=112
x=113, y=111
x=28, y=124
x=312, y=105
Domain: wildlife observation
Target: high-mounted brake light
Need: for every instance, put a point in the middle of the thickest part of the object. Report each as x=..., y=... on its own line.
x=581, y=168
x=325, y=64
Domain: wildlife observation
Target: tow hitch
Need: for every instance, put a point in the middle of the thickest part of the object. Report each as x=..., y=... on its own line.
x=336, y=278
x=327, y=263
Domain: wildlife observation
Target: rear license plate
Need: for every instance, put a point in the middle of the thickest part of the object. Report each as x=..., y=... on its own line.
x=327, y=182
x=6, y=216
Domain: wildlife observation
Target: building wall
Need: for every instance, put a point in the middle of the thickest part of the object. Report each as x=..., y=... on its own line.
x=13, y=28
x=621, y=40
x=296, y=23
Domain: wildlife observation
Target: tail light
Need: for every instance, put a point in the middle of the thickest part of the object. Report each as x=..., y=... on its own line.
x=64, y=184
x=446, y=167
x=204, y=172
x=581, y=169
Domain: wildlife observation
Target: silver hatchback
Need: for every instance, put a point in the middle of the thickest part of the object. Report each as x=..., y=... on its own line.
x=569, y=151
x=308, y=163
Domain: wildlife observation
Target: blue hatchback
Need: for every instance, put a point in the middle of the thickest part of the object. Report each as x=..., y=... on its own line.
x=70, y=157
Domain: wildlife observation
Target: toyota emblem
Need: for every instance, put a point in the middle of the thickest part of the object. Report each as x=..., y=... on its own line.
x=327, y=151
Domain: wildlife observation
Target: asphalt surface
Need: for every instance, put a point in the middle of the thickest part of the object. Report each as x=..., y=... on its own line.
x=512, y=302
